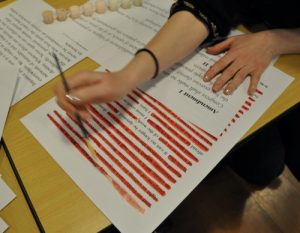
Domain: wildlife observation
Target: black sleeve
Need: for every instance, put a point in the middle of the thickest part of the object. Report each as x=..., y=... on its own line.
x=219, y=16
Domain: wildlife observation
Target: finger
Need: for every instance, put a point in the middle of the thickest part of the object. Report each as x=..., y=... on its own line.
x=254, y=82
x=220, y=47
x=83, y=88
x=238, y=78
x=79, y=79
x=217, y=68
x=64, y=104
x=227, y=75
x=59, y=90
x=92, y=94
x=84, y=114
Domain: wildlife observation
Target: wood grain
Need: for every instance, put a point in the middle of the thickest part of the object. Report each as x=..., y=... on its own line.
x=17, y=213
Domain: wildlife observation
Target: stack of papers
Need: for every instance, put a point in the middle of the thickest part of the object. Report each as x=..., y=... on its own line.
x=6, y=196
x=7, y=87
x=3, y=226
x=8, y=81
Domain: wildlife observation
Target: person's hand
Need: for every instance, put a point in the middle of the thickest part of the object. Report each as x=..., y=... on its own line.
x=92, y=87
x=246, y=55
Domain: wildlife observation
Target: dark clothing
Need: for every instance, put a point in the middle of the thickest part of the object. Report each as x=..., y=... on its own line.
x=220, y=16
x=263, y=157
x=289, y=129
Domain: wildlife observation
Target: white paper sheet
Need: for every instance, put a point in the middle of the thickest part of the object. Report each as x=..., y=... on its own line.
x=28, y=43
x=165, y=155
x=3, y=226
x=6, y=194
x=8, y=79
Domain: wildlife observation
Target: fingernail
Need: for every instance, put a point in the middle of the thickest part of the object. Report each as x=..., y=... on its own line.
x=72, y=98
x=227, y=91
x=215, y=89
x=252, y=91
x=205, y=79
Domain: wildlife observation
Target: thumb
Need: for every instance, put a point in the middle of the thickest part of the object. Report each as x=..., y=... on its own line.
x=220, y=47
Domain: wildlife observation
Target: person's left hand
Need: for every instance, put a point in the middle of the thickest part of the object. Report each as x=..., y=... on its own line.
x=247, y=55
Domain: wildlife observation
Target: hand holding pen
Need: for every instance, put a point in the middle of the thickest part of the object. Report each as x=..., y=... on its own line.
x=90, y=87
x=76, y=114
x=69, y=96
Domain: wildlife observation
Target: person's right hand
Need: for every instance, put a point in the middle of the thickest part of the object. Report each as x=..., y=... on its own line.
x=92, y=87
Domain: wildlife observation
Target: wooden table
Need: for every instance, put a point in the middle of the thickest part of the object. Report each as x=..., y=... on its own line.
x=61, y=206
x=17, y=213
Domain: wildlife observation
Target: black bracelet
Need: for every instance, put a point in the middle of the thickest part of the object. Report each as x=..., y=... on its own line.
x=154, y=59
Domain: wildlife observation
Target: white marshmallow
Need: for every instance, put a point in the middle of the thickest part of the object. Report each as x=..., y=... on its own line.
x=113, y=5
x=100, y=6
x=125, y=4
x=88, y=9
x=61, y=14
x=48, y=17
x=74, y=12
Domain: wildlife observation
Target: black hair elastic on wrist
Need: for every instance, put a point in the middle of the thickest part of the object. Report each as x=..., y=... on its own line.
x=154, y=59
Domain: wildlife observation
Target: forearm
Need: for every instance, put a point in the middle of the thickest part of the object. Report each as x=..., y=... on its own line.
x=285, y=41
x=177, y=38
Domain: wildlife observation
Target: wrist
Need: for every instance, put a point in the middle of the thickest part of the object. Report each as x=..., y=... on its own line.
x=154, y=58
x=270, y=42
x=284, y=41
x=140, y=69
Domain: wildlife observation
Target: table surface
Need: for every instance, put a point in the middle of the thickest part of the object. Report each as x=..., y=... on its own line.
x=16, y=214
x=59, y=203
